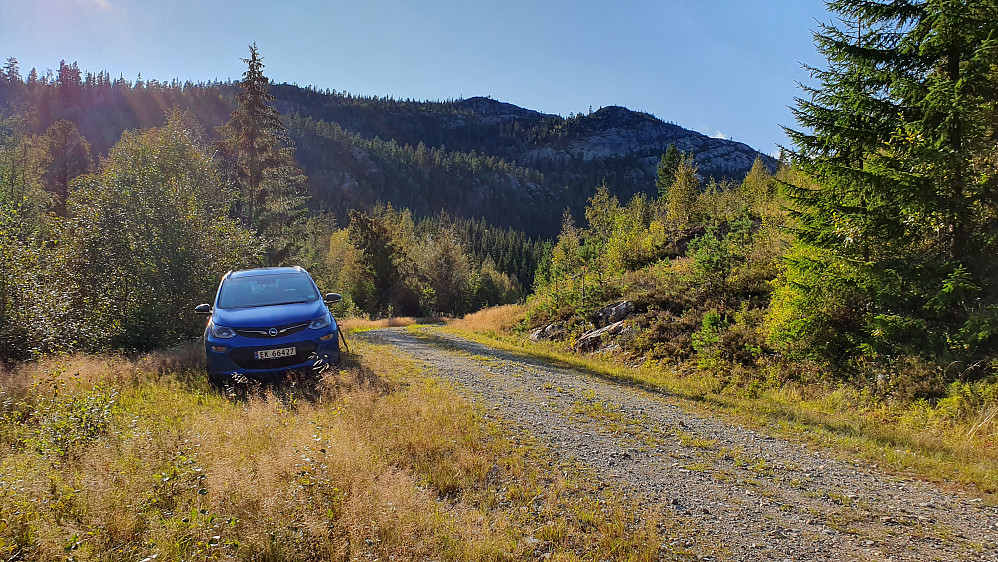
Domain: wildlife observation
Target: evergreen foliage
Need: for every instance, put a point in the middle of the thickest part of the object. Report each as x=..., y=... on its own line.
x=154, y=237
x=683, y=193
x=896, y=214
x=758, y=184
x=666, y=172
x=11, y=71
x=700, y=279
x=510, y=252
x=383, y=240
x=142, y=241
x=446, y=272
x=259, y=162
x=69, y=156
x=475, y=158
x=396, y=267
x=24, y=228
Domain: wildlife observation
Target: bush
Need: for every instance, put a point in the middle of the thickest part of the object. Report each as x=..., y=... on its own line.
x=742, y=343
x=663, y=335
x=151, y=237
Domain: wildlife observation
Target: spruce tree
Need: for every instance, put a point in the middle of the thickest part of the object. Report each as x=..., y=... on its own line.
x=69, y=157
x=667, y=170
x=11, y=71
x=259, y=159
x=899, y=231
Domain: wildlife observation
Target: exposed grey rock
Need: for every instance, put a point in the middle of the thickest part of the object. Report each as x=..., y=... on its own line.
x=612, y=313
x=554, y=331
x=493, y=111
x=593, y=339
x=493, y=475
x=614, y=132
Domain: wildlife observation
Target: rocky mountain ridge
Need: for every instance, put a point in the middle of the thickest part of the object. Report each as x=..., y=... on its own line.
x=617, y=132
x=481, y=157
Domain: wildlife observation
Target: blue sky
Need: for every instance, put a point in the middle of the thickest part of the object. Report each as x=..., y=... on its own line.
x=721, y=67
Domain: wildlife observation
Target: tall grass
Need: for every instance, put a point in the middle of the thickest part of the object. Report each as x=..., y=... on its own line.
x=354, y=324
x=106, y=457
x=490, y=320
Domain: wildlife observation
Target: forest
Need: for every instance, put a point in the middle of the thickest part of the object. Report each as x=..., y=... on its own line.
x=476, y=158
x=868, y=255
x=110, y=252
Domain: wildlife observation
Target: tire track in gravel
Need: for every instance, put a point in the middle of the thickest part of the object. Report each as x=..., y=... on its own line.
x=740, y=494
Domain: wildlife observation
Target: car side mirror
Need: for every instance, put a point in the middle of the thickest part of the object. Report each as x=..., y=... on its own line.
x=332, y=298
x=202, y=309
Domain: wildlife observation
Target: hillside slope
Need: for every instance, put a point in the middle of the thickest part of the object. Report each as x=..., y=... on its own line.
x=474, y=158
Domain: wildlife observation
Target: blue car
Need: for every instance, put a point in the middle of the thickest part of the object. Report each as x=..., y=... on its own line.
x=268, y=322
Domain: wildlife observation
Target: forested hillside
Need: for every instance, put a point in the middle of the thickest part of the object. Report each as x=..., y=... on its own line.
x=474, y=158
x=108, y=244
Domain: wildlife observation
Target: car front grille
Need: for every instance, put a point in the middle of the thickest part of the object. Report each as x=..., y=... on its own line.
x=278, y=331
x=245, y=359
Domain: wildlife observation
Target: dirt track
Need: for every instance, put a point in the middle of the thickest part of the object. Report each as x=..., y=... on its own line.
x=739, y=494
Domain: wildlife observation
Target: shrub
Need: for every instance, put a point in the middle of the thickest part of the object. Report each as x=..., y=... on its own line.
x=705, y=339
x=742, y=343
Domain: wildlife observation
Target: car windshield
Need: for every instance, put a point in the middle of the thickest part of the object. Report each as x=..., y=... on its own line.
x=266, y=290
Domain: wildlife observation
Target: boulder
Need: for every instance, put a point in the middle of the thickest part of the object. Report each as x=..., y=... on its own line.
x=611, y=314
x=593, y=339
x=550, y=332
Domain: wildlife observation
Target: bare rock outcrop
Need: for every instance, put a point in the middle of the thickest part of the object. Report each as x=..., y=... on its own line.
x=612, y=313
x=593, y=340
x=554, y=331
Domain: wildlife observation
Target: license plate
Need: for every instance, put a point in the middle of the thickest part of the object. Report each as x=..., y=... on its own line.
x=275, y=353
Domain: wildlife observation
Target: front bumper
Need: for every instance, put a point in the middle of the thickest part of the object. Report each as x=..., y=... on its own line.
x=234, y=357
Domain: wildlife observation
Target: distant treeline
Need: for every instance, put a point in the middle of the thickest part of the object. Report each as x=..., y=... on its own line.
x=358, y=151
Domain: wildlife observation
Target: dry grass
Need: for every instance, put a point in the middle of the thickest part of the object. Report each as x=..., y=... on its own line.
x=495, y=319
x=107, y=457
x=356, y=324
x=77, y=371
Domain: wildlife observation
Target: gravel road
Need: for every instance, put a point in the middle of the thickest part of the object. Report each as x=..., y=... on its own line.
x=739, y=494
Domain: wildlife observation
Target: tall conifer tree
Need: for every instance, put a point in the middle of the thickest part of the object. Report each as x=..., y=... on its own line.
x=899, y=233
x=684, y=191
x=666, y=173
x=69, y=157
x=260, y=160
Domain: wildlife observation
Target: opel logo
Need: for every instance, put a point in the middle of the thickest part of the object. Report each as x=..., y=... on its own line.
x=272, y=332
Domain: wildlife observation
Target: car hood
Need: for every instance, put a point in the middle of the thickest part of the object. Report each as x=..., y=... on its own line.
x=266, y=316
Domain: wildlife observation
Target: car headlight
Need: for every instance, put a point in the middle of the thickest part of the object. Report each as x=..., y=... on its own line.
x=223, y=332
x=320, y=322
